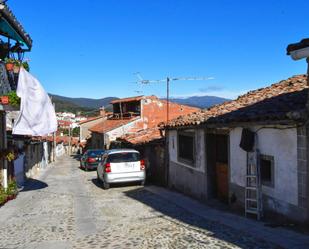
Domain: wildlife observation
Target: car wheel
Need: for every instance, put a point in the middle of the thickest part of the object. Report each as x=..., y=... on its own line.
x=105, y=185
x=86, y=169
x=142, y=183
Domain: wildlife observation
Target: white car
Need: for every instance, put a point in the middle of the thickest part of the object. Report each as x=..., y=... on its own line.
x=121, y=165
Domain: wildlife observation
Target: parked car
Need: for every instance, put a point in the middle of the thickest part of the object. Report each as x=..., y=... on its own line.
x=91, y=159
x=121, y=165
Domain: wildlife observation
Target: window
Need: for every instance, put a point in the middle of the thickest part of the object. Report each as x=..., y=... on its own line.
x=186, y=147
x=267, y=170
x=123, y=157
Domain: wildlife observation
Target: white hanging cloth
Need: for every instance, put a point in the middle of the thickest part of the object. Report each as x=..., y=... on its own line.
x=37, y=115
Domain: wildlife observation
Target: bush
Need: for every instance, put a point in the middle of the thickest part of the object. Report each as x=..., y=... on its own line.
x=14, y=100
x=3, y=196
x=12, y=188
x=9, y=194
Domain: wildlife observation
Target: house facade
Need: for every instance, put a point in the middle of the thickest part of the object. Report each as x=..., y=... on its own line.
x=208, y=155
x=13, y=38
x=134, y=114
x=86, y=125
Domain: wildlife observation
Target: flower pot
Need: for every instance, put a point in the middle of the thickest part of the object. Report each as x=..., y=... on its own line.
x=4, y=100
x=16, y=68
x=9, y=66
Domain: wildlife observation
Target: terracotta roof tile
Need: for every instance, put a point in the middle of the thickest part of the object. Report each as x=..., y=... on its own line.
x=285, y=100
x=89, y=119
x=143, y=136
x=110, y=124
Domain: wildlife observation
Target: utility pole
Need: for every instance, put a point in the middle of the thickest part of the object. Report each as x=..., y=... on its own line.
x=70, y=137
x=168, y=80
x=54, y=140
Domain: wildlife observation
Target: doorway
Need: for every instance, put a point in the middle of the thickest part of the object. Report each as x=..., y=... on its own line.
x=217, y=166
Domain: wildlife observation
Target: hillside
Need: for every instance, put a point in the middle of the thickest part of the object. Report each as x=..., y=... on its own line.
x=67, y=106
x=87, y=105
x=200, y=101
x=85, y=102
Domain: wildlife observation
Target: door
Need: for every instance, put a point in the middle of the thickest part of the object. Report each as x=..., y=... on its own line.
x=222, y=167
x=217, y=165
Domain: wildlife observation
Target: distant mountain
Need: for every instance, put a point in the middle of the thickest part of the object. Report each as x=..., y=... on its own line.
x=87, y=105
x=67, y=106
x=84, y=105
x=200, y=101
x=85, y=102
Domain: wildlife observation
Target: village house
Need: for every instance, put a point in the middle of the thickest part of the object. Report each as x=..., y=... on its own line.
x=134, y=114
x=10, y=31
x=85, y=125
x=249, y=152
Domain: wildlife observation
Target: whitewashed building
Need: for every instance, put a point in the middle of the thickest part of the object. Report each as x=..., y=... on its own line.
x=208, y=157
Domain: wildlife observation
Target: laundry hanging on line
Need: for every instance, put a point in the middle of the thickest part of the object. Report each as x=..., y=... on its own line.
x=37, y=115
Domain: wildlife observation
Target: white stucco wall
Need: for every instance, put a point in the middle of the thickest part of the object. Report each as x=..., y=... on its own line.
x=199, y=146
x=282, y=145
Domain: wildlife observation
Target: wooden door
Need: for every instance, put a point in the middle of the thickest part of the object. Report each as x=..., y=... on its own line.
x=222, y=178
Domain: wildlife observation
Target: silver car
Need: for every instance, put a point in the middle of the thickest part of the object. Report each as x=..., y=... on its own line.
x=121, y=165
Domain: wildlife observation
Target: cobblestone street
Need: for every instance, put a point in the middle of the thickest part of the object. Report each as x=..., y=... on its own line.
x=67, y=208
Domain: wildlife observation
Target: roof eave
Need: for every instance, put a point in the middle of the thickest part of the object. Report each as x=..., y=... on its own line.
x=9, y=17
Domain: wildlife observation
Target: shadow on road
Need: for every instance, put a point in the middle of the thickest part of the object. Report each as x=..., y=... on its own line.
x=114, y=185
x=96, y=182
x=33, y=184
x=184, y=218
x=76, y=156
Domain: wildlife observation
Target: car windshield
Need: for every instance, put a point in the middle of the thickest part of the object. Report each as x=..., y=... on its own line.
x=123, y=157
x=94, y=153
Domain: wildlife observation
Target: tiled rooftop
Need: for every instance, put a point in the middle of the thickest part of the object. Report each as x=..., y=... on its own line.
x=89, y=119
x=6, y=13
x=282, y=101
x=110, y=124
x=143, y=136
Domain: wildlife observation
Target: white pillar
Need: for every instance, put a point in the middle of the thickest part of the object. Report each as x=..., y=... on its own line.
x=5, y=168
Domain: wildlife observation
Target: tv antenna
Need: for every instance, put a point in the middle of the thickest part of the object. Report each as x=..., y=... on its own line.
x=168, y=80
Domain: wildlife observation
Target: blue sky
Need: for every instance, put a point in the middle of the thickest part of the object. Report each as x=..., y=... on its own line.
x=92, y=48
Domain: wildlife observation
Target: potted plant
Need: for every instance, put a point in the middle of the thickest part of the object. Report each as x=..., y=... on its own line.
x=9, y=64
x=14, y=100
x=4, y=100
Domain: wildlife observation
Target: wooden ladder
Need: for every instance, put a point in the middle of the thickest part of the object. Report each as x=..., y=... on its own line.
x=253, y=195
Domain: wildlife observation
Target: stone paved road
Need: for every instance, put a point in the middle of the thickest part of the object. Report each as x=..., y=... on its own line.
x=67, y=208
